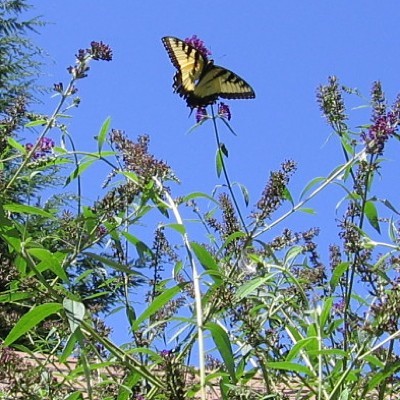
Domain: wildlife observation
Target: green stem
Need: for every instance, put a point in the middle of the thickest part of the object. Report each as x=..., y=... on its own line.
x=227, y=180
x=196, y=287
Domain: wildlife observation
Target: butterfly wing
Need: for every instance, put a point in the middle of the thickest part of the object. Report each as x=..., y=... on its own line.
x=187, y=60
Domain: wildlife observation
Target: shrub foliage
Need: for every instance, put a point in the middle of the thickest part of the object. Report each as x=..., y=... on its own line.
x=252, y=300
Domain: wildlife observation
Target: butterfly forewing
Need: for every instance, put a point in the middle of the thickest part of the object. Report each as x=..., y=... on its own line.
x=187, y=60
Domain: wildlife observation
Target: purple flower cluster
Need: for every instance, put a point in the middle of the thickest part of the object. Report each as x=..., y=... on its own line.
x=97, y=51
x=224, y=111
x=100, y=51
x=339, y=307
x=379, y=132
x=201, y=114
x=101, y=230
x=44, y=147
x=198, y=44
x=165, y=353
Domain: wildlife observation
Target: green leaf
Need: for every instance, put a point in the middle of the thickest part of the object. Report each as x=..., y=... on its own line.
x=250, y=286
x=292, y=253
x=141, y=247
x=75, y=312
x=78, y=171
x=159, y=302
x=69, y=347
x=24, y=209
x=15, y=297
x=207, y=261
x=375, y=361
x=30, y=320
x=389, y=205
x=297, y=335
x=227, y=125
x=371, y=213
x=224, y=150
x=338, y=272
x=221, y=340
x=177, y=268
x=101, y=137
x=180, y=228
x=75, y=396
x=378, y=377
x=16, y=145
x=310, y=185
x=245, y=193
x=50, y=261
x=125, y=388
x=344, y=395
x=307, y=210
x=300, y=345
x=392, y=230
x=326, y=311
x=130, y=314
x=288, y=366
x=113, y=264
x=131, y=176
x=232, y=237
x=36, y=123
x=288, y=196
x=219, y=162
x=196, y=195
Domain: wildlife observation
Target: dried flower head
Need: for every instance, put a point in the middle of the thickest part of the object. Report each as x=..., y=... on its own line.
x=378, y=101
x=331, y=104
x=100, y=51
x=97, y=51
x=58, y=87
x=274, y=192
x=137, y=158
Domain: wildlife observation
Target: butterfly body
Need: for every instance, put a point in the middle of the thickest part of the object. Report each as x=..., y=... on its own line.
x=198, y=80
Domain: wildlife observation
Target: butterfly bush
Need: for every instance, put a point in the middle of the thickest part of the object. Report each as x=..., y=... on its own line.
x=261, y=289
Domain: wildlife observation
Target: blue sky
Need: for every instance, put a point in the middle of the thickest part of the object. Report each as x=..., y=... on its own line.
x=284, y=49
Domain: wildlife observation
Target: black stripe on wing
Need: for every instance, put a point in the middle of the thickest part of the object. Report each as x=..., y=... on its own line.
x=185, y=58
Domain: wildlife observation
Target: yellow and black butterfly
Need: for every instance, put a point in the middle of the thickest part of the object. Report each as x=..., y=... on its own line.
x=198, y=80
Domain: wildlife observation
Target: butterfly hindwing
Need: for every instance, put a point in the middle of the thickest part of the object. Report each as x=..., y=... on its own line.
x=223, y=83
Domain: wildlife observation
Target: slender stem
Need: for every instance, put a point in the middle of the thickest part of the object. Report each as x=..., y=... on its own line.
x=197, y=291
x=79, y=186
x=228, y=182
